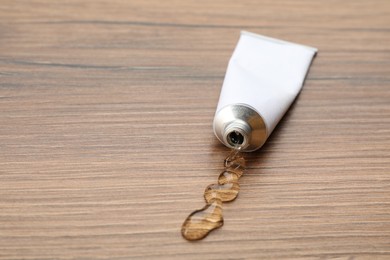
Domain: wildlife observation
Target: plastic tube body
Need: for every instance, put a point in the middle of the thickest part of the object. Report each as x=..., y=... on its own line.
x=263, y=78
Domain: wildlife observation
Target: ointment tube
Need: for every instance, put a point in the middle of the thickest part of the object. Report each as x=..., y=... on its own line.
x=263, y=78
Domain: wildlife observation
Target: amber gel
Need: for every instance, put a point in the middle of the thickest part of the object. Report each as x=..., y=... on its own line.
x=263, y=78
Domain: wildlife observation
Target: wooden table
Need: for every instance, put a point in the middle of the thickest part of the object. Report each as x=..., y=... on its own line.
x=106, y=141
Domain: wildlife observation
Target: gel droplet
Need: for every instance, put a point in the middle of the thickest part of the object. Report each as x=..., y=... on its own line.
x=228, y=177
x=225, y=192
x=237, y=162
x=201, y=222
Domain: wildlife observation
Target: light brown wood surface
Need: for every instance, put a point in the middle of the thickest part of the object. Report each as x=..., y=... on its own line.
x=106, y=141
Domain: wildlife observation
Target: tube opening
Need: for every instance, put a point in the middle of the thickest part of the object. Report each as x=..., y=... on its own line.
x=235, y=138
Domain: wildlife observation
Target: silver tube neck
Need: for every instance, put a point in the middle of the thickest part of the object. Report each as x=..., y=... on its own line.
x=239, y=125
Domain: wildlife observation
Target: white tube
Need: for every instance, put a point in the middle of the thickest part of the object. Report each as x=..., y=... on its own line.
x=263, y=78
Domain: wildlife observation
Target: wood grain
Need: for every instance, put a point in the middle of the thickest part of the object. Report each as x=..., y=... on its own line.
x=106, y=142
